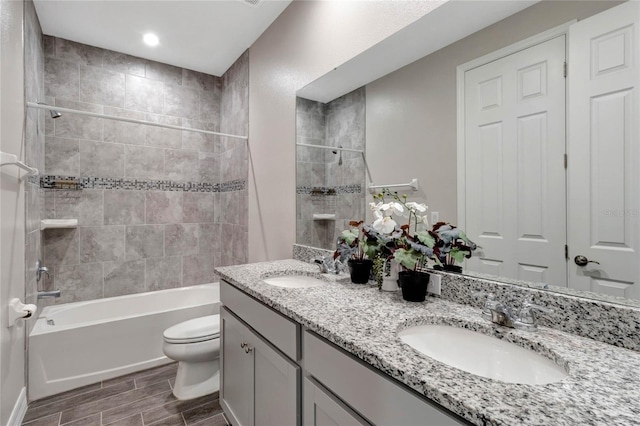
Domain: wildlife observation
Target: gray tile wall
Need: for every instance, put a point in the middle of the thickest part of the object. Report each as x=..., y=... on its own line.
x=233, y=206
x=340, y=122
x=34, y=147
x=131, y=240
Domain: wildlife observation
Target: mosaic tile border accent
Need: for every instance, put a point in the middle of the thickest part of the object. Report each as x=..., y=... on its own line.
x=329, y=190
x=48, y=182
x=35, y=180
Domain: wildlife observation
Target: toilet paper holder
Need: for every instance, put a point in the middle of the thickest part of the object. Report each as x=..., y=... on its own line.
x=18, y=310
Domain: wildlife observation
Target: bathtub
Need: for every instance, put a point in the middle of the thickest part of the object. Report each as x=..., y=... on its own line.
x=106, y=338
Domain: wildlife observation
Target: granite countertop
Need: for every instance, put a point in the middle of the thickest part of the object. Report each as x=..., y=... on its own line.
x=603, y=387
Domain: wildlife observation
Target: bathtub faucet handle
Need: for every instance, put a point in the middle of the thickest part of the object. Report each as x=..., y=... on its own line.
x=41, y=270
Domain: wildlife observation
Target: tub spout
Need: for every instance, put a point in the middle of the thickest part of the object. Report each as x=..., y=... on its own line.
x=43, y=294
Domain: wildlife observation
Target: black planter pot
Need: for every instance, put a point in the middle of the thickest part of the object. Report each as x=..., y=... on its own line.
x=360, y=270
x=448, y=268
x=414, y=285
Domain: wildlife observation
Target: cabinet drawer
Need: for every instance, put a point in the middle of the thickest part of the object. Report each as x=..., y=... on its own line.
x=374, y=396
x=274, y=327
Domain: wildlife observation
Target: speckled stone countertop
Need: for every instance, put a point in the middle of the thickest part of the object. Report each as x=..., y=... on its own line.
x=603, y=387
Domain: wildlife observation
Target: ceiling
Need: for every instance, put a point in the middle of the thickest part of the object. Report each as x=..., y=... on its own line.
x=448, y=23
x=203, y=35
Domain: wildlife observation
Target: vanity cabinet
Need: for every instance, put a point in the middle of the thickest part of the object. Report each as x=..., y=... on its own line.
x=259, y=377
x=262, y=381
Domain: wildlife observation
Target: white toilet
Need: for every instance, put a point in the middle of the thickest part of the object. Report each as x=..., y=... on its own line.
x=195, y=344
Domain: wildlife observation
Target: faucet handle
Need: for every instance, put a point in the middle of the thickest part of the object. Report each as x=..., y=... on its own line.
x=526, y=315
x=489, y=304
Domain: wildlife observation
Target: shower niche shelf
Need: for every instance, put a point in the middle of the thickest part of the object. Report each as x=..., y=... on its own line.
x=58, y=223
x=324, y=216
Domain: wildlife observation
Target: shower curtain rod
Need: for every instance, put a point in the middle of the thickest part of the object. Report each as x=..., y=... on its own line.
x=330, y=147
x=361, y=151
x=129, y=120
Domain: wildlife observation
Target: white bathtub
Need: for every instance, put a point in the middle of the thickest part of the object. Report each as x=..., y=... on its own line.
x=105, y=338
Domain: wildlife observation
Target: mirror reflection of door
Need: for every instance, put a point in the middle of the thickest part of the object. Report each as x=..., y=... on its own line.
x=516, y=194
x=514, y=161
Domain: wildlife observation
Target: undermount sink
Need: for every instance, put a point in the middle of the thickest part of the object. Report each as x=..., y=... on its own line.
x=482, y=355
x=295, y=281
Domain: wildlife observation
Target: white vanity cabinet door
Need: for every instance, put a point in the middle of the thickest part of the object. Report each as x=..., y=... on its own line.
x=259, y=386
x=322, y=409
x=236, y=374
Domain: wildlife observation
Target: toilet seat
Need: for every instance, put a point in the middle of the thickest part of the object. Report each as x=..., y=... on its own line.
x=194, y=331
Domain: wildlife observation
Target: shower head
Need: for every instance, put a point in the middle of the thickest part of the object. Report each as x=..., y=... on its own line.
x=55, y=114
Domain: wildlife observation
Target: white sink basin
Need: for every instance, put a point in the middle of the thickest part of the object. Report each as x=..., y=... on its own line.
x=295, y=281
x=482, y=355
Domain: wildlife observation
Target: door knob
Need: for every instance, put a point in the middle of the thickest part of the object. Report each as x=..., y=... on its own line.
x=582, y=260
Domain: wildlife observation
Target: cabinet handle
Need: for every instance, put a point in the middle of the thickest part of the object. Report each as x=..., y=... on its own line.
x=243, y=345
x=247, y=349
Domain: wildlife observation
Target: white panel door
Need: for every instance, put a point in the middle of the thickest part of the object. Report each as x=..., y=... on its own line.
x=604, y=152
x=514, y=161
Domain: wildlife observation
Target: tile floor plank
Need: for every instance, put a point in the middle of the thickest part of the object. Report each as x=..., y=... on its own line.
x=139, y=374
x=156, y=377
x=51, y=420
x=85, y=410
x=75, y=401
x=204, y=411
x=175, y=420
x=126, y=410
x=64, y=395
x=135, y=420
x=174, y=407
x=217, y=420
x=117, y=402
x=94, y=420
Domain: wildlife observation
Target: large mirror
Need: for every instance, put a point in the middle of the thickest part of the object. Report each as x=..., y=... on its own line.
x=412, y=129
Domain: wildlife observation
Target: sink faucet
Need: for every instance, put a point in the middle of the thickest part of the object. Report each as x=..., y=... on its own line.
x=328, y=266
x=502, y=314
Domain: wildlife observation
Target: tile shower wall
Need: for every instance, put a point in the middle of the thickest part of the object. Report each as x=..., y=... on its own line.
x=323, y=184
x=34, y=146
x=161, y=207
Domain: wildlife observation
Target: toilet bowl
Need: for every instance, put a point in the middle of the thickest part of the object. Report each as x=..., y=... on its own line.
x=195, y=344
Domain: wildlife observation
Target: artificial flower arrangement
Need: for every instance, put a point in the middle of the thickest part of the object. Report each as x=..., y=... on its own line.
x=411, y=244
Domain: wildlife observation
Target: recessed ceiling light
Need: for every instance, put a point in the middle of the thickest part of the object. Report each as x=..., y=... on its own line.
x=151, y=39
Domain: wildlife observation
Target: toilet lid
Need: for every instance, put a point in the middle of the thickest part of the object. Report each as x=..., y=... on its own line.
x=195, y=330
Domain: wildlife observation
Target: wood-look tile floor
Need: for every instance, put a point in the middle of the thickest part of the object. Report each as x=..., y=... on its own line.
x=144, y=398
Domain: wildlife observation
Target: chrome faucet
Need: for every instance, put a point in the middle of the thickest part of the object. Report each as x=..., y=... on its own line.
x=322, y=264
x=502, y=314
x=328, y=266
x=41, y=270
x=43, y=294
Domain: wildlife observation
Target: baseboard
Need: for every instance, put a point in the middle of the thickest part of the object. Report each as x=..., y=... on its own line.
x=19, y=410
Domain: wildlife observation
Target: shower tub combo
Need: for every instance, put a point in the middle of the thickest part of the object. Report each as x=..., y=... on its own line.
x=81, y=343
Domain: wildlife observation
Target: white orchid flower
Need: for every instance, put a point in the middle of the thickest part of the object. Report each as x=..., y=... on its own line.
x=377, y=214
x=384, y=225
x=375, y=207
x=396, y=208
x=392, y=208
x=415, y=207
